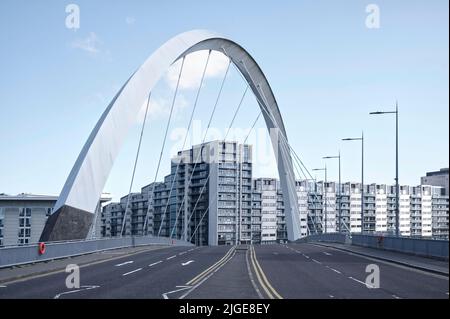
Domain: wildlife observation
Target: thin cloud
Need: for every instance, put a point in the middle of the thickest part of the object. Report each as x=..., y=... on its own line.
x=159, y=108
x=130, y=20
x=194, y=65
x=89, y=44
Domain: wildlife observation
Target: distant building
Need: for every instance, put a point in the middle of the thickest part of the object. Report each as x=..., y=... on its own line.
x=23, y=217
x=222, y=204
x=437, y=178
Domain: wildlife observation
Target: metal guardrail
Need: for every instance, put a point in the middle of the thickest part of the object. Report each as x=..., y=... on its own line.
x=431, y=248
x=19, y=255
x=329, y=237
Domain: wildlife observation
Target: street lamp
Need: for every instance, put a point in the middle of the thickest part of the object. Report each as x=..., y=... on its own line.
x=362, y=174
x=325, y=193
x=397, y=188
x=339, y=194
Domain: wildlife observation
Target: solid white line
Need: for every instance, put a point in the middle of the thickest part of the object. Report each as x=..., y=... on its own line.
x=158, y=262
x=316, y=261
x=125, y=263
x=126, y=274
x=171, y=257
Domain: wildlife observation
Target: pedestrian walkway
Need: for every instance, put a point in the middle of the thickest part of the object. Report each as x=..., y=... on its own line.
x=421, y=263
x=35, y=269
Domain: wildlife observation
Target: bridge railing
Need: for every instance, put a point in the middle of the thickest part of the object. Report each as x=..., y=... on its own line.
x=431, y=248
x=19, y=255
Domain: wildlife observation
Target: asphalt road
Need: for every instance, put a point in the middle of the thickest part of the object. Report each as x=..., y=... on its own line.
x=267, y=271
x=312, y=271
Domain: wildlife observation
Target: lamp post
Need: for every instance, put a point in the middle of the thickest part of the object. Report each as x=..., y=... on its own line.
x=339, y=193
x=324, y=200
x=362, y=174
x=397, y=188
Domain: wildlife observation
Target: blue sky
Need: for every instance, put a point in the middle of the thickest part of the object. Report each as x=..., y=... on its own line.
x=327, y=69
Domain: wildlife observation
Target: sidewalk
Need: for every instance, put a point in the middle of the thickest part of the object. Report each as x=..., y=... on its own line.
x=37, y=269
x=417, y=262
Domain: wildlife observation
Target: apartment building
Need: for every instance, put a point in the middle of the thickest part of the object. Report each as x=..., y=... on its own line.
x=206, y=199
x=210, y=198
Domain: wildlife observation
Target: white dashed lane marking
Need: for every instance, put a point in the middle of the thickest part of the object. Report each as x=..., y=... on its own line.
x=335, y=270
x=365, y=284
x=132, y=272
x=158, y=262
x=125, y=263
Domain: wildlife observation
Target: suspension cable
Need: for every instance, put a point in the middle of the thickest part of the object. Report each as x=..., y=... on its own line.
x=284, y=139
x=237, y=110
x=264, y=108
x=306, y=179
x=135, y=164
x=205, y=135
x=185, y=138
x=164, y=143
x=254, y=123
x=209, y=173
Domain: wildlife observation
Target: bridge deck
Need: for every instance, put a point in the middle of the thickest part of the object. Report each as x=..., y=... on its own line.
x=299, y=270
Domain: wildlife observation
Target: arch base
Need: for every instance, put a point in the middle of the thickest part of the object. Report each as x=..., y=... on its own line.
x=67, y=223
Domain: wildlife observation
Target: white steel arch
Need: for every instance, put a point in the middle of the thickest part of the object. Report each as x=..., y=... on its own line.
x=77, y=202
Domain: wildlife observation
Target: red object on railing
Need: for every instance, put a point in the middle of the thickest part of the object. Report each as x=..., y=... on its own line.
x=380, y=240
x=41, y=248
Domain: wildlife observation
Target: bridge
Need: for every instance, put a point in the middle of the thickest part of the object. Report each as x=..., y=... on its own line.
x=316, y=268
x=310, y=264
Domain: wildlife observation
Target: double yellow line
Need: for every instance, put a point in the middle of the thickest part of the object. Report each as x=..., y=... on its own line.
x=208, y=271
x=262, y=279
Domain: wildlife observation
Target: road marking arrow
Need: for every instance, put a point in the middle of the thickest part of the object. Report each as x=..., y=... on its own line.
x=173, y=291
x=187, y=263
x=82, y=288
